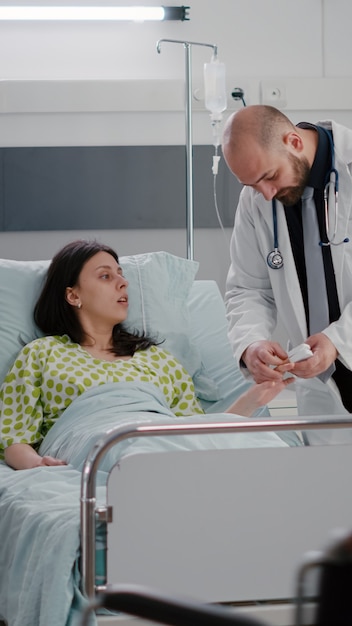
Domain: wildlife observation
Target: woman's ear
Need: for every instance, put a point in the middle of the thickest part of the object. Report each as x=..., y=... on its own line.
x=72, y=297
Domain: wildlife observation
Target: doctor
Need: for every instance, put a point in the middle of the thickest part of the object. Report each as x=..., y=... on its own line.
x=276, y=162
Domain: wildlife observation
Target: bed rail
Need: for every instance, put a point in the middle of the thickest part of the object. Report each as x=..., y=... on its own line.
x=157, y=429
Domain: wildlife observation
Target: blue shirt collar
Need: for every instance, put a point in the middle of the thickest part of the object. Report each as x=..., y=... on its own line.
x=322, y=161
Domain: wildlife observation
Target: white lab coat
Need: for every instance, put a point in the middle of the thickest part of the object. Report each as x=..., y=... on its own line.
x=255, y=293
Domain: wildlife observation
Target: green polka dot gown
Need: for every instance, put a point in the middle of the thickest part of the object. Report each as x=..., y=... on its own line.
x=50, y=372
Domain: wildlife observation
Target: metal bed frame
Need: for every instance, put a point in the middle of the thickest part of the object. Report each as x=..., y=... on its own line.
x=89, y=511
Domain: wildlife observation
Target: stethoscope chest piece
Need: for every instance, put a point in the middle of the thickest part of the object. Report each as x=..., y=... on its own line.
x=275, y=259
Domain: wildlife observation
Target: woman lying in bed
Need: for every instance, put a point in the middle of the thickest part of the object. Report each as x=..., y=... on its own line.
x=81, y=310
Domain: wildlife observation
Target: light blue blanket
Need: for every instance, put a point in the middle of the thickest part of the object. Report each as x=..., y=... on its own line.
x=108, y=406
x=39, y=508
x=39, y=531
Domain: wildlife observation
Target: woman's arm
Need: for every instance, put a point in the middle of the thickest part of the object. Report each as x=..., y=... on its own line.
x=22, y=456
x=21, y=408
x=257, y=396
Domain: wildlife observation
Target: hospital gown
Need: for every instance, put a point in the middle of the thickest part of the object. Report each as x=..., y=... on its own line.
x=50, y=372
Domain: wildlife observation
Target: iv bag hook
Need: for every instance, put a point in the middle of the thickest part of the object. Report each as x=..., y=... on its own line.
x=187, y=43
x=189, y=163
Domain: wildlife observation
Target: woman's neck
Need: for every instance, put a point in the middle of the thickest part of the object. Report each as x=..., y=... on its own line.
x=102, y=353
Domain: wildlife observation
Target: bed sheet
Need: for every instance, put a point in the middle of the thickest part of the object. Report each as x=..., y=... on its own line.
x=104, y=407
x=39, y=508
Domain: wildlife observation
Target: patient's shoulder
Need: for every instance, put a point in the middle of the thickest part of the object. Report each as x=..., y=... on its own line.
x=47, y=342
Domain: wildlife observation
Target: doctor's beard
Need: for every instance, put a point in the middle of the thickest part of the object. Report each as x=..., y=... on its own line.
x=301, y=170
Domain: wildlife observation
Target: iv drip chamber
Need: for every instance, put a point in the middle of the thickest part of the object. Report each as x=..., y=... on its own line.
x=215, y=86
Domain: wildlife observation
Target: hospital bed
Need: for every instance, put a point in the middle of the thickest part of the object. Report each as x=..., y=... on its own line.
x=218, y=508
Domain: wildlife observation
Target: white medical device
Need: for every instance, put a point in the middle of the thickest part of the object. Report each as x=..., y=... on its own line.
x=300, y=353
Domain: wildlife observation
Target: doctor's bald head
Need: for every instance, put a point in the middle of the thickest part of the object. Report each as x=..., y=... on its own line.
x=264, y=125
x=266, y=151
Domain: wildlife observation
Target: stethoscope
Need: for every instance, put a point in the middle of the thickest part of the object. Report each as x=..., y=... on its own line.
x=275, y=259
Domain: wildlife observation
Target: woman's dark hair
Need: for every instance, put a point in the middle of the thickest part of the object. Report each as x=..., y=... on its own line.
x=55, y=316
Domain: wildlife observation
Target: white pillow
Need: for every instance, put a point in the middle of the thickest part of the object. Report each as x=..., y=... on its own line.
x=159, y=285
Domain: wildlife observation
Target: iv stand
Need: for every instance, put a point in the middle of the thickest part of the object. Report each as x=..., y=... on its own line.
x=189, y=161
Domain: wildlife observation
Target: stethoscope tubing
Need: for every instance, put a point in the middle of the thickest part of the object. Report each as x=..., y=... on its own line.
x=275, y=259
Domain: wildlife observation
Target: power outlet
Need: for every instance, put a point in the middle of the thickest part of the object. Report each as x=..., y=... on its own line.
x=273, y=93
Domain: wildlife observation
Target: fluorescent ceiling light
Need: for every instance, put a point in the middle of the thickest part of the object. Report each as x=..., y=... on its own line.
x=93, y=13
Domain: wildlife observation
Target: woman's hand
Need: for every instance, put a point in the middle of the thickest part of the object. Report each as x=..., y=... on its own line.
x=22, y=456
x=50, y=460
x=258, y=395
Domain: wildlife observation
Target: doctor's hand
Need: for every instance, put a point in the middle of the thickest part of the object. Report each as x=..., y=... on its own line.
x=266, y=360
x=324, y=354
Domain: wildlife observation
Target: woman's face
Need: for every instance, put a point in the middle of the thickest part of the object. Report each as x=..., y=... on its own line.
x=101, y=291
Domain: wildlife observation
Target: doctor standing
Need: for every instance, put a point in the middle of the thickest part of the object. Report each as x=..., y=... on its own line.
x=271, y=264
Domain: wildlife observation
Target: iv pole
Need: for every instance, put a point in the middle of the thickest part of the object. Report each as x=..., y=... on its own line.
x=189, y=160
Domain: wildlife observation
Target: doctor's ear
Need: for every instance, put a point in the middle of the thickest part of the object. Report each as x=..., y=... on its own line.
x=293, y=141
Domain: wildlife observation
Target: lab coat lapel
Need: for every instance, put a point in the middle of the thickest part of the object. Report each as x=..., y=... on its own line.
x=341, y=261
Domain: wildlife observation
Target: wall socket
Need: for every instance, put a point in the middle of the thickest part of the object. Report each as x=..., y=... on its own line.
x=273, y=92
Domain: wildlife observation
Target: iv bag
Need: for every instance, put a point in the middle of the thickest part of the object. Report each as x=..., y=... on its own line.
x=215, y=86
